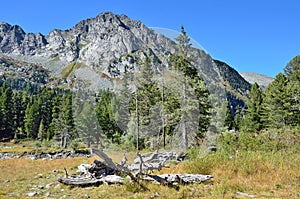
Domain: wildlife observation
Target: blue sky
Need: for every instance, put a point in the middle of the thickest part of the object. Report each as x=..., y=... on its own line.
x=250, y=35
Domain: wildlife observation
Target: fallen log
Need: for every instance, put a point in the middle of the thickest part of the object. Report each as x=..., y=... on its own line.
x=177, y=178
x=84, y=182
x=185, y=178
x=121, y=170
x=109, y=172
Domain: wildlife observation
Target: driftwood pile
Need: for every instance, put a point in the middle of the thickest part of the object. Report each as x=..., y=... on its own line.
x=109, y=172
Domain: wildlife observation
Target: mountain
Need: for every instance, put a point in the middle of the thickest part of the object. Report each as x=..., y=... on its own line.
x=95, y=52
x=236, y=86
x=262, y=80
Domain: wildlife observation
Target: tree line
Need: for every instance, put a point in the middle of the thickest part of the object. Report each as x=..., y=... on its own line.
x=157, y=106
x=277, y=107
x=35, y=112
x=150, y=108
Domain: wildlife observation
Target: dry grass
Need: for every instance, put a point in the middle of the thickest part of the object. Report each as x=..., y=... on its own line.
x=70, y=69
x=265, y=175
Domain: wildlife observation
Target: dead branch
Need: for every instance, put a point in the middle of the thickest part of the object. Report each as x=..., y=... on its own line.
x=109, y=172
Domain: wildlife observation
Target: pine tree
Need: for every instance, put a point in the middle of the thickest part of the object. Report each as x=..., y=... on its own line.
x=104, y=111
x=254, y=112
x=46, y=107
x=32, y=120
x=42, y=132
x=88, y=126
x=122, y=112
x=68, y=132
x=224, y=118
x=148, y=97
x=7, y=112
x=276, y=103
x=238, y=118
x=292, y=72
x=292, y=69
x=56, y=122
x=195, y=96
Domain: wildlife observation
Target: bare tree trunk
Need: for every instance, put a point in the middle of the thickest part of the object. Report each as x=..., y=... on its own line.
x=184, y=131
x=163, y=111
x=137, y=122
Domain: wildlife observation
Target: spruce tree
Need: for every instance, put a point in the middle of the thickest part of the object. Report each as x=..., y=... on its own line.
x=122, y=112
x=254, y=112
x=195, y=105
x=88, y=126
x=148, y=97
x=7, y=113
x=32, y=120
x=41, y=132
x=292, y=72
x=276, y=103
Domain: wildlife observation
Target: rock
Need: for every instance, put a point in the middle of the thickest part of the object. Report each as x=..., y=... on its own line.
x=155, y=195
x=47, y=194
x=31, y=194
x=48, y=186
x=39, y=176
x=105, y=44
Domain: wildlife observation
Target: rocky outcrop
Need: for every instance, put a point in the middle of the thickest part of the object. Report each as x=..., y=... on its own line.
x=104, y=46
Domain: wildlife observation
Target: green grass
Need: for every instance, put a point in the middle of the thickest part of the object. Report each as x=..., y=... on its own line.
x=260, y=173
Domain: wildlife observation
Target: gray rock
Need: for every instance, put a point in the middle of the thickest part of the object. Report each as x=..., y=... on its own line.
x=31, y=194
x=102, y=46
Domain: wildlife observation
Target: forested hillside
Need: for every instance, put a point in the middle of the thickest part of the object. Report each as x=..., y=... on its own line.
x=148, y=109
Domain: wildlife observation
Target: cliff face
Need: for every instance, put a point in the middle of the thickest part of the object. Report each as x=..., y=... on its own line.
x=98, y=49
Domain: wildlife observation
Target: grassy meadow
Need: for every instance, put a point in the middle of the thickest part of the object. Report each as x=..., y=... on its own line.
x=257, y=173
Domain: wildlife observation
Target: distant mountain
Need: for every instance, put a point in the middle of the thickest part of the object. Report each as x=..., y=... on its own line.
x=96, y=51
x=262, y=80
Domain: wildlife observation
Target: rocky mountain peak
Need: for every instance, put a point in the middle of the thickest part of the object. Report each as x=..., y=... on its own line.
x=98, y=49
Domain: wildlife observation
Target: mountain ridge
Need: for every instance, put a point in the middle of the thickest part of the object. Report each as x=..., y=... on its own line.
x=262, y=80
x=101, y=48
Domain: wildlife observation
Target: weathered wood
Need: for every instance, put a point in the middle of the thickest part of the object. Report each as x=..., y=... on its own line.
x=246, y=195
x=84, y=181
x=110, y=173
x=112, y=179
x=160, y=156
x=166, y=179
x=118, y=168
x=81, y=182
x=106, y=159
x=185, y=178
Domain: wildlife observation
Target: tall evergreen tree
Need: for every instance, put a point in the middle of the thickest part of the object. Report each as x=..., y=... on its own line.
x=148, y=97
x=276, y=103
x=122, y=112
x=195, y=96
x=7, y=113
x=32, y=120
x=104, y=111
x=254, y=112
x=68, y=132
x=42, y=134
x=88, y=126
x=56, y=123
x=292, y=72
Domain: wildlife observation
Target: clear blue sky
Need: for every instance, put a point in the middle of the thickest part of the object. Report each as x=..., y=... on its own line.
x=250, y=35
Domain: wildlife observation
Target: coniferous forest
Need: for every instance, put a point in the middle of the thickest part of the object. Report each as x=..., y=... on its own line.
x=169, y=107
x=196, y=116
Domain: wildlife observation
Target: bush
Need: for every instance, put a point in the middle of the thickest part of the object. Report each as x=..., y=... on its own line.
x=227, y=142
